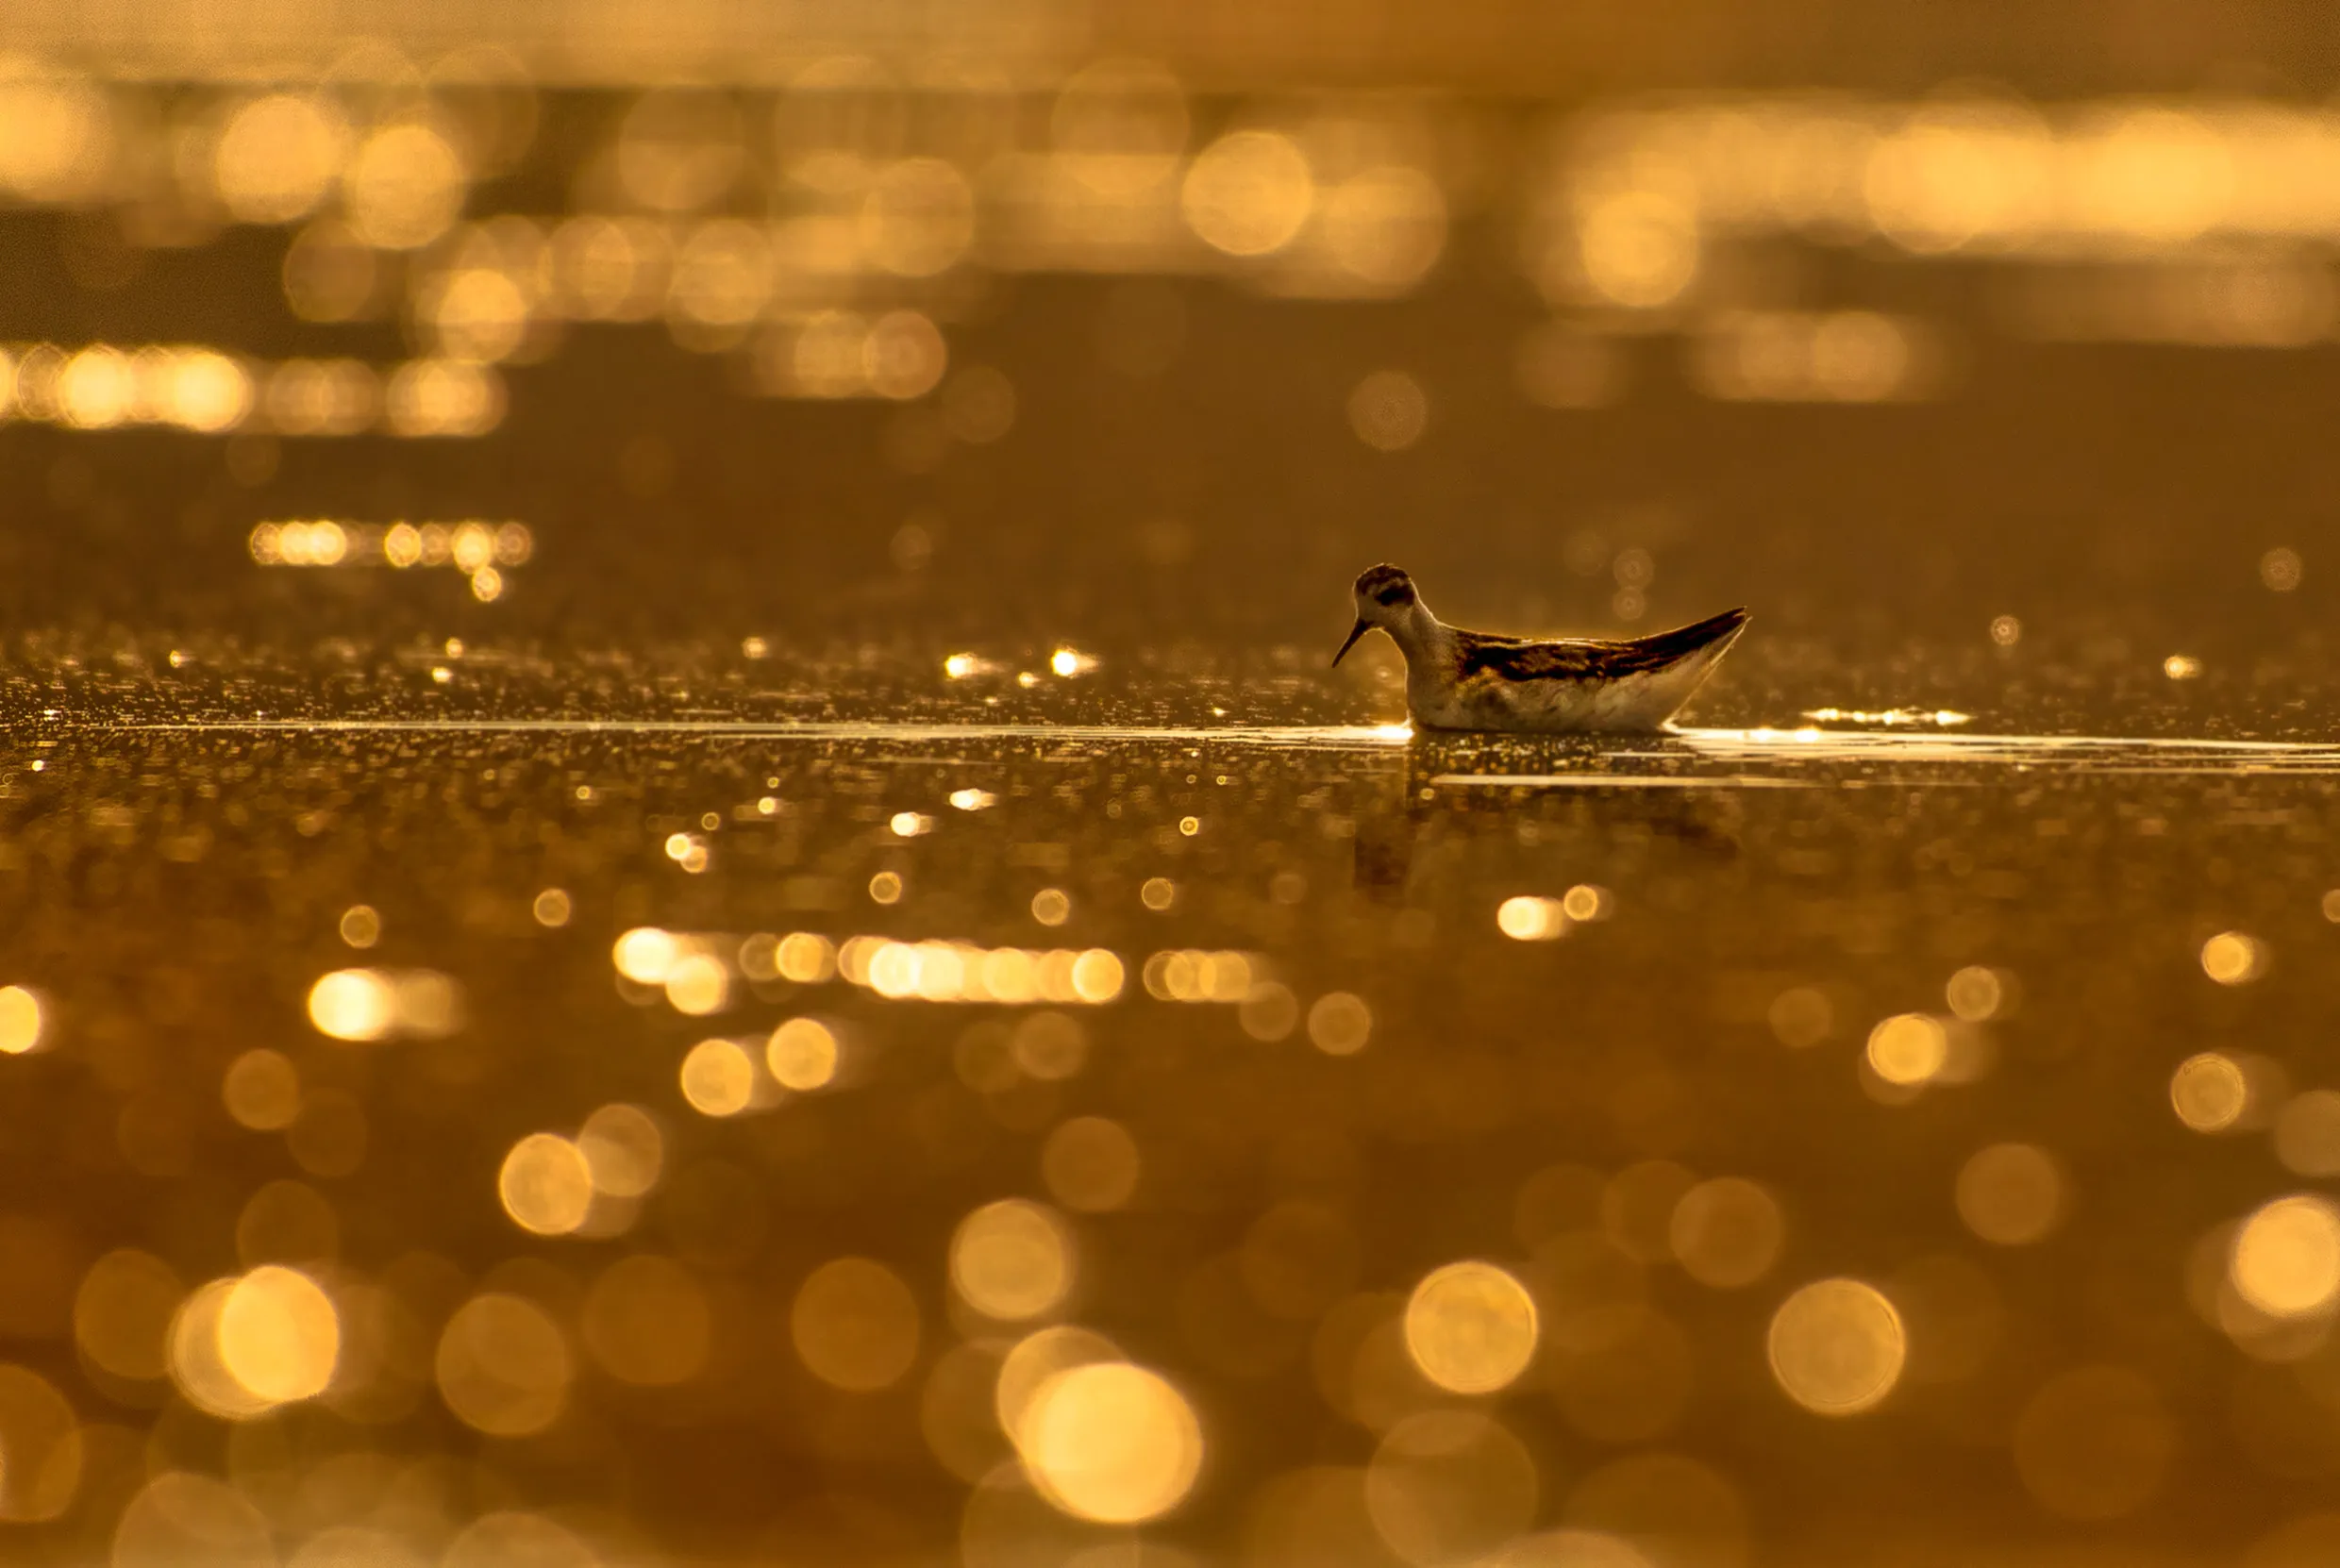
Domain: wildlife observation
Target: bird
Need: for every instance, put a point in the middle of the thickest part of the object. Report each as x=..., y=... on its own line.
x=1469, y=680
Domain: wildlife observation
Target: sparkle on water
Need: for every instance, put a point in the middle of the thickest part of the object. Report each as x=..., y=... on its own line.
x=775, y=1023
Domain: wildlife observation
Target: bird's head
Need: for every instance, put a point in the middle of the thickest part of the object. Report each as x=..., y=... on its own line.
x=1385, y=598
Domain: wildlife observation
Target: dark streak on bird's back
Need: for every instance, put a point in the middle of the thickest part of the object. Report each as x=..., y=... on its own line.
x=1516, y=658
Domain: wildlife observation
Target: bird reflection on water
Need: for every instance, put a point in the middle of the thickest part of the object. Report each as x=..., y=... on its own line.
x=1531, y=804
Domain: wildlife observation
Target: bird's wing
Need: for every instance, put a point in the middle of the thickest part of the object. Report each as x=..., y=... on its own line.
x=1517, y=658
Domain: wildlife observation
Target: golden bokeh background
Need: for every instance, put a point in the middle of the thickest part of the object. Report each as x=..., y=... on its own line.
x=680, y=883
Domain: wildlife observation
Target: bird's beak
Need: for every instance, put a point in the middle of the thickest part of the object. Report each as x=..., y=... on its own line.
x=1355, y=632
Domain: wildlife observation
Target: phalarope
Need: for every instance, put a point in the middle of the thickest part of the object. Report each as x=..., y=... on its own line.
x=1458, y=679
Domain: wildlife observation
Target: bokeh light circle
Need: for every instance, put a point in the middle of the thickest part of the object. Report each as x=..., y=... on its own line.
x=1248, y=194
x=1012, y=1259
x=1111, y=1443
x=279, y=1335
x=855, y=1324
x=1471, y=1327
x=2286, y=1258
x=1726, y=1232
x=502, y=1365
x=2209, y=1092
x=1837, y=1346
x=2094, y=1443
x=546, y=1184
x=41, y=1448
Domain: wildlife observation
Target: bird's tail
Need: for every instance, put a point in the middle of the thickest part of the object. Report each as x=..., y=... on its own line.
x=1710, y=636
